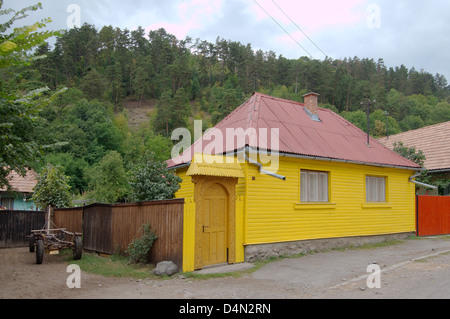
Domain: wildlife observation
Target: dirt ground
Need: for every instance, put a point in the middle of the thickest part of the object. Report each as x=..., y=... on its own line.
x=414, y=269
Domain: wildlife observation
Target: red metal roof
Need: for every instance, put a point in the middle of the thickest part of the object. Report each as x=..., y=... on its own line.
x=331, y=138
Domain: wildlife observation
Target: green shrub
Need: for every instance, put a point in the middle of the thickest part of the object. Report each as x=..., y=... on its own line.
x=139, y=249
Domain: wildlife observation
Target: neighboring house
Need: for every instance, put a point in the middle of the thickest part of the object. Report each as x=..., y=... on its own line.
x=19, y=197
x=322, y=181
x=433, y=141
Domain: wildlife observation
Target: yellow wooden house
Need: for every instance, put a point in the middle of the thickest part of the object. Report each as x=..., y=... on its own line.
x=276, y=174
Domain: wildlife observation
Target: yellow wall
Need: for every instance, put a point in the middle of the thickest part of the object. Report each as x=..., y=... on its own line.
x=187, y=187
x=186, y=191
x=274, y=212
x=268, y=210
x=189, y=235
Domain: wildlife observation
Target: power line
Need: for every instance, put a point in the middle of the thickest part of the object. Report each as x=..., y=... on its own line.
x=283, y=28
x=299, y=28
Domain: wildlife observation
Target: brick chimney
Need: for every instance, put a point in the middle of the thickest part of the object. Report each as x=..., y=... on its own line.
x=312, y=102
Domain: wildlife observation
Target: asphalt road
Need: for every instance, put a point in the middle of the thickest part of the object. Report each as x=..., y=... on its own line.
x=414, y=269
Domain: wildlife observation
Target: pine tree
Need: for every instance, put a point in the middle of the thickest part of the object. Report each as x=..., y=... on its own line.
x=140, y=83
x=162, y=122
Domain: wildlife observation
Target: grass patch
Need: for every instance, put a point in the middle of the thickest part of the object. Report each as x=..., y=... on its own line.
x=441, y=237
x=194, y=275
x=111, y=266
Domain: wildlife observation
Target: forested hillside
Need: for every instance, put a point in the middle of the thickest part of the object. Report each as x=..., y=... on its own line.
x=110, y=73
x=114, y=65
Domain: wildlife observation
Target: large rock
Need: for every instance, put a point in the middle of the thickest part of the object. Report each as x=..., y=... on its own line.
x=165, y=268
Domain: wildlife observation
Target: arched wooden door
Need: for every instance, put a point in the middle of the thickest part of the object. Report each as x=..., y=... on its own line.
x=215, y=220
x=215, y=224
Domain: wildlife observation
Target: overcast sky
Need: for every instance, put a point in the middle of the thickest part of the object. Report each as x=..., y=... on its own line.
x=415, y=33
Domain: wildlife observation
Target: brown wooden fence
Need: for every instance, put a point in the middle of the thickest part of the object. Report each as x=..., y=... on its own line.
x=70, y=218
x=433, y=215
x=97, y=229
x=110, y=229
x=165, y=219
x=15, y=226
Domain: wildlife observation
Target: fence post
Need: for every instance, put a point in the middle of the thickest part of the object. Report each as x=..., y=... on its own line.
x=189, y=235
x=417, y=215
x=48, y=217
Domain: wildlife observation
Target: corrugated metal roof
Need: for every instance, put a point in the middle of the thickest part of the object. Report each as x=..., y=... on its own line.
x=209, y=165
x=433, y=141
x=332, y=138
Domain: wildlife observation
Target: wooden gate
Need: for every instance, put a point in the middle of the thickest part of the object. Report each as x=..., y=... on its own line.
x=433, y=215
x=15, y=226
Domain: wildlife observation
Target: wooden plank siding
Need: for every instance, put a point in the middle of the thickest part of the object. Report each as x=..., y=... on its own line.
x=15, y=226
x=187, y=186
x=270, y=210
x=274, y=213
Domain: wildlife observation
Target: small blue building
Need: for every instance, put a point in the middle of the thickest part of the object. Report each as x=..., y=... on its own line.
x=20, y=195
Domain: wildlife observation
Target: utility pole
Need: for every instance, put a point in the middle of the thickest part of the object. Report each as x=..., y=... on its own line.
x=368, y=104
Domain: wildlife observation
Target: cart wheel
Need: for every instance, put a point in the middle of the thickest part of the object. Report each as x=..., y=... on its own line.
x=78, y=250
x=39, y=251
x=31, y=243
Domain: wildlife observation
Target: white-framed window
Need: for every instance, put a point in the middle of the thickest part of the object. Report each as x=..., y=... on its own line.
x=314, y=186
x=375, y=189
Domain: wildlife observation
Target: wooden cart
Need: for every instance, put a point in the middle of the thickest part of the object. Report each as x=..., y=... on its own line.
x=52, y=241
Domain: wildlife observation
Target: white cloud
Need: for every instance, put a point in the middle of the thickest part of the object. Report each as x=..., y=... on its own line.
x=188, y=17
x=313, y=16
